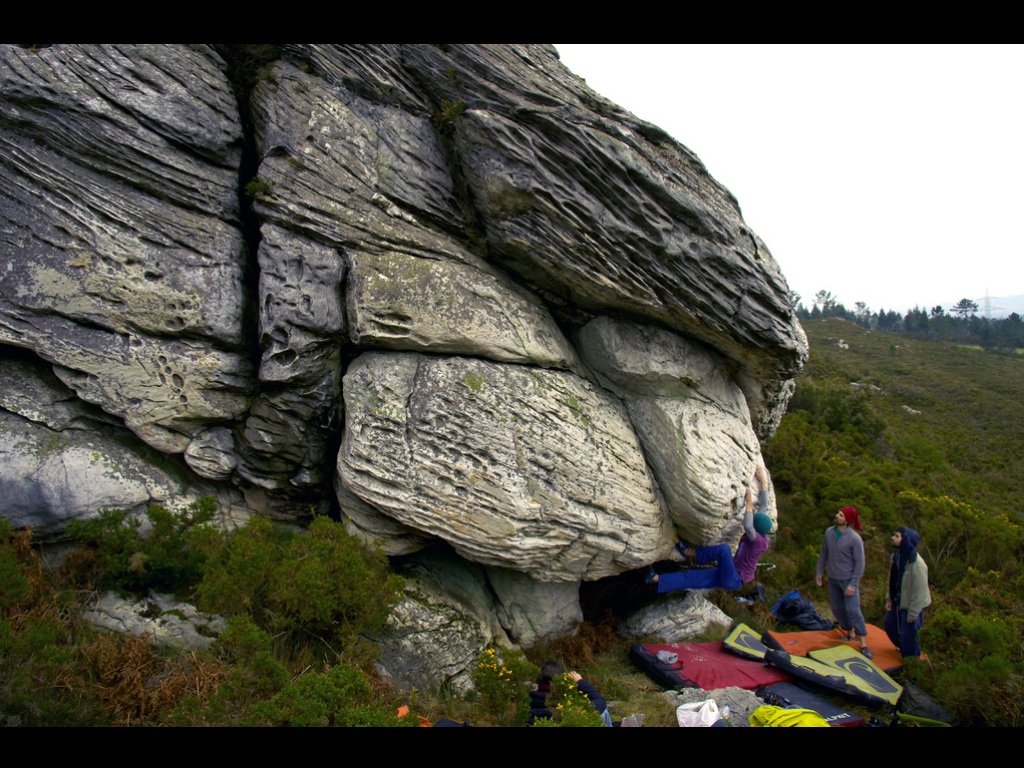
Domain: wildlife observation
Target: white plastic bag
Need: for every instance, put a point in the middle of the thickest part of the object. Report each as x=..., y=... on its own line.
x=699, y=714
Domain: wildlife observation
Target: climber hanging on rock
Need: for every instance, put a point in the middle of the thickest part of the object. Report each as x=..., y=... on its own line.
x=730, y=572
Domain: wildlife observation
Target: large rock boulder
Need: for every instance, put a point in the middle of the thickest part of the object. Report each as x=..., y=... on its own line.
x=123, y=259
x=403, y=302
x=443, y=621
x=534, y=470
x=63, y=459
x=532, y=610
x=445, y=291
x=691, y=418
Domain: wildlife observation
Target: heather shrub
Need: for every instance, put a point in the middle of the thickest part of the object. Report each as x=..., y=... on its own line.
x=833, y=403
x=322, y=585
x=955, y=536
x=985, y=692
x=40, y=668
x=971, y=636
x=342, y=696
x=248, y=650
x=162, y=560
x=249, y=675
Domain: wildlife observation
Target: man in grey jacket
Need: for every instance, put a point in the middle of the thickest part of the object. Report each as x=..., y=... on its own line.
x=842, y=558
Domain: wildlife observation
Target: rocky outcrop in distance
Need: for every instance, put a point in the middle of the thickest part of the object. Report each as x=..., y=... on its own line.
x=445, y=292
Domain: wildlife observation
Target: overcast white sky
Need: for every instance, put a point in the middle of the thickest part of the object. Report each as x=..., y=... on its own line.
x=892, y=175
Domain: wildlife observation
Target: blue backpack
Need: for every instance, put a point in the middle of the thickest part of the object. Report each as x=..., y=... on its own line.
x=796, y=609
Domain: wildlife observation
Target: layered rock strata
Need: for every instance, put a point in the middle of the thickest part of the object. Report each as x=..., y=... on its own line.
x=447, y=292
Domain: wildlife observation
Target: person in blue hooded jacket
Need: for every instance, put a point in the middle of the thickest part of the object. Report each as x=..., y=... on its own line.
x=908, y=593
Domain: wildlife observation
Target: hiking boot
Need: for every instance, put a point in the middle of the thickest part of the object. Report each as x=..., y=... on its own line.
x=679, y=552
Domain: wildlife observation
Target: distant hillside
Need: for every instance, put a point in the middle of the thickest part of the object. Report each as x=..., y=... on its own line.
x=971, y=406
x=930, y=435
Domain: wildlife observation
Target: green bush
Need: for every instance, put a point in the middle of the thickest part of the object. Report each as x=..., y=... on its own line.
x=258, y=188
x=985, y=692
x=340, y=697
x=248, y=648
x=39, y=667
x=839, y=408
x=956, y=537
x=251, y=675
x=500, y=681
x=323, y=584
x=163, y=560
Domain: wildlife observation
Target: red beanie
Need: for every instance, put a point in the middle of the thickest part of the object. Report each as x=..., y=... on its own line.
x=852, y=517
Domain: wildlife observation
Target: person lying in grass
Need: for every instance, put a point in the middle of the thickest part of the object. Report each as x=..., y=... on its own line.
x=549, y=670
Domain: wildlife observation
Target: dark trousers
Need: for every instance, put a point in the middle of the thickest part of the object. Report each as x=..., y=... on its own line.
x=723, y=575
x=904, y=635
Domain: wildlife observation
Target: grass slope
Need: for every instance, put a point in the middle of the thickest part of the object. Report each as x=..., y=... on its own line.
x=931, y=436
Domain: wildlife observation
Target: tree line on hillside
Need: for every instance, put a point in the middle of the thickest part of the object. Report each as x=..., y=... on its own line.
x=960, y=323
